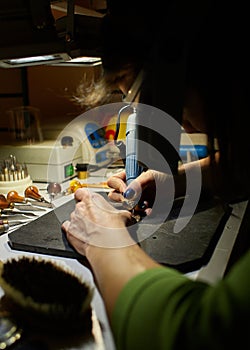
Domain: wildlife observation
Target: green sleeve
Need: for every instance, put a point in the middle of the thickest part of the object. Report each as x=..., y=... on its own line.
x=163, y=309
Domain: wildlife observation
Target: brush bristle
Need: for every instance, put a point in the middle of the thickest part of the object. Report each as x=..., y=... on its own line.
x=46, y=289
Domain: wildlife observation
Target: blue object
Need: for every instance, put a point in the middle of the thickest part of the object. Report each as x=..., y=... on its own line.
x=195, y=151
x=96, y=135
x=132, y=168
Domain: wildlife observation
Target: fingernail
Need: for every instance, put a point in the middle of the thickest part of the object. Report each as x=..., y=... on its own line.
x=129, y=193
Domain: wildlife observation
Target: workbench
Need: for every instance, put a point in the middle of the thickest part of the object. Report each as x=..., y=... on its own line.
x=101, y=337
x=209, y=271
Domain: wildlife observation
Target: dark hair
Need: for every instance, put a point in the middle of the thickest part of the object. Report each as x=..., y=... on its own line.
x=126, y=41
x=217, y=69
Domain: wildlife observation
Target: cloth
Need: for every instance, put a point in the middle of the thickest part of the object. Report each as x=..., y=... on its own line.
x=163, y=309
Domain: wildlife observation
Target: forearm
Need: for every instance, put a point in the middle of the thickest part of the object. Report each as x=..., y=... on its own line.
x=114, y=267
x=203, y=166
x=161, y=308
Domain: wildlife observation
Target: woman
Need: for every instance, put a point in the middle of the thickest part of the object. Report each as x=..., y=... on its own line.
x=156, y=307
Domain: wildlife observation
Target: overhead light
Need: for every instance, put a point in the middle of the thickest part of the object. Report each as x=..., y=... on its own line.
x=83, y=61
x=31, y=36
x=33, y=60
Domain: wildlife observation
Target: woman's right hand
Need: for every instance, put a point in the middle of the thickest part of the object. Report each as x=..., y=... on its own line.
x=143, y=190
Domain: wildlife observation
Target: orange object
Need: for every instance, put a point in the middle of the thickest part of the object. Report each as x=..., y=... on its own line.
x=96, y=185
x=4, y=203
x=75, y=184
x=32, y=192
x=13, y=196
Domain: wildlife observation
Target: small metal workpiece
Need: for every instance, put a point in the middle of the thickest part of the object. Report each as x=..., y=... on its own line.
x=128, y=204
x=131, y=205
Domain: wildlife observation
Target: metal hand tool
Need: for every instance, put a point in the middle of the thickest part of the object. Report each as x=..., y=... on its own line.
x=9, y=211
x=33, y=193
x=23, y=203
x=13, y=222
x=7, y=204
x=17, y=216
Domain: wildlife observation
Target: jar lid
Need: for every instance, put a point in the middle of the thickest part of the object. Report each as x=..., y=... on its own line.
x=81, y=166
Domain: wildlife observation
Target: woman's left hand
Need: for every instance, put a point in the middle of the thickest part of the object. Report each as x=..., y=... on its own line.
x=96, y=222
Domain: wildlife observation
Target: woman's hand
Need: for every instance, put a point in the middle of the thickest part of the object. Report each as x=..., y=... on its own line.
x=96, y=222
x=98, y=231
x=143, y=190
x=118, y=183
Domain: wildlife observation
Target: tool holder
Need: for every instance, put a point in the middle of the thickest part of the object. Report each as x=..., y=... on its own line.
x=18, y=185
x=13, y=176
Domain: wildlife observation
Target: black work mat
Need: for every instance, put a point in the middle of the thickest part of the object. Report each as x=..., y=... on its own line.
x=44, y=235
x=192, y=247
x=186, y=251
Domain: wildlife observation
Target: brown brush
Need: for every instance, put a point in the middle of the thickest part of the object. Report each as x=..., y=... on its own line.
x=45, y=294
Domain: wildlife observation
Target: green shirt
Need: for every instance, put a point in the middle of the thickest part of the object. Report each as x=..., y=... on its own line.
x=164, y=309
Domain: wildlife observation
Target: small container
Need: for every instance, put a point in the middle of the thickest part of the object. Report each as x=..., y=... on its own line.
x=82, y=170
